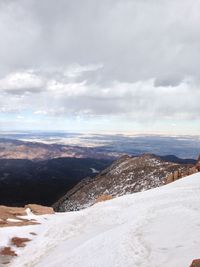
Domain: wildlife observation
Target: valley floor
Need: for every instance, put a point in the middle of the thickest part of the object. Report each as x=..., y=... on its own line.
x=156, y=228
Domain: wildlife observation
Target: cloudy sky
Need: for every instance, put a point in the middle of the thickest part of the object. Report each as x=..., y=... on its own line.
x=109, y=65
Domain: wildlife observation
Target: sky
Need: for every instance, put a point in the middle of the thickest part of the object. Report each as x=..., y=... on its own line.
x=109, y=65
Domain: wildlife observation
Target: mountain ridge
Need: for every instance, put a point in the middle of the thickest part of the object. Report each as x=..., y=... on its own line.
x=126, y=175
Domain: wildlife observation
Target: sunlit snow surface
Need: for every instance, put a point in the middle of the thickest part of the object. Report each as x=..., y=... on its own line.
x=156, y=228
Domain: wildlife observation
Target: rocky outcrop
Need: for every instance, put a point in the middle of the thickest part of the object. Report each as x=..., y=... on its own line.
x=10, y=216
x=39, y=209
x=10, y=212
x=103, y=198
x=198, y=164
x=195, y=263
x=126, y=175
x=178, y=174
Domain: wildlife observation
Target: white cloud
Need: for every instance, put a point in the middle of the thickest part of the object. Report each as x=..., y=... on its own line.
x=66, y=89
x=20, y=82
x=20, y=117
x=76, y=70
x=40, y=112
x=142, y=100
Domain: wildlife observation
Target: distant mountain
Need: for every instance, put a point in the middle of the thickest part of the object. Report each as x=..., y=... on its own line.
x=182, y=146
x=43, y=182
x=16, y=149
x=126, y=175
x=175, y=159
x=97, y=146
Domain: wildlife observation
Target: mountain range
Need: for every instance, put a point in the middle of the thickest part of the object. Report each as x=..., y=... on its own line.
x=35, y=172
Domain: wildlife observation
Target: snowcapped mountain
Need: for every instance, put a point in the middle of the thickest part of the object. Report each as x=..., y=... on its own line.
x=158, y=227
x=126, y=175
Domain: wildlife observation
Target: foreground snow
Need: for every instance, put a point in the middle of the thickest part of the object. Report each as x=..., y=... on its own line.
x=156, y=228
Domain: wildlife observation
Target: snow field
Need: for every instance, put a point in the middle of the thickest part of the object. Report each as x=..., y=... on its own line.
x=155, y=228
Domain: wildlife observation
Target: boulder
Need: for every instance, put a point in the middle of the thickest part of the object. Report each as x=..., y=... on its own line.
x=169, y=178
x=195, y=263
x=39, y=209
x=193, y=170
x=176, y=175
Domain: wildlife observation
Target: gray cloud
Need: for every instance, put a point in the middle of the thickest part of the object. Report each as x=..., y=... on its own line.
x=139, y=101
x=134, y=40
x=101, y=57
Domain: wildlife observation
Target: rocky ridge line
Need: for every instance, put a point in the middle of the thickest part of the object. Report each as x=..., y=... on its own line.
x=126, y=175
x=178, y=174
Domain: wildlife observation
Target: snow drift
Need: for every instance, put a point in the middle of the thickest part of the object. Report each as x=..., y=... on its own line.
x=155, y=228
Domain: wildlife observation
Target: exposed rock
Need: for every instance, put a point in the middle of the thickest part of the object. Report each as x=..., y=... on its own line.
x=198, y=164
x=6, y=255
x=19, y=242
x=103, y=198
x=9, y=212
x=10, y=216
x=124, y=176
x=193, y=170
x=7, y=251
x=176, y=175
x=39, y=209
x=180, y=174
x=170, y=178
x=195, y=263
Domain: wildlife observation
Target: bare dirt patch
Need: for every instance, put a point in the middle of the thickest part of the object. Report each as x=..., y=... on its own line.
x=6, y=255
x=7, y=251
x=19, y=241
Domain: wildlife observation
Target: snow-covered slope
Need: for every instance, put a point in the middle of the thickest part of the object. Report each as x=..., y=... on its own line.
x=156, y=228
